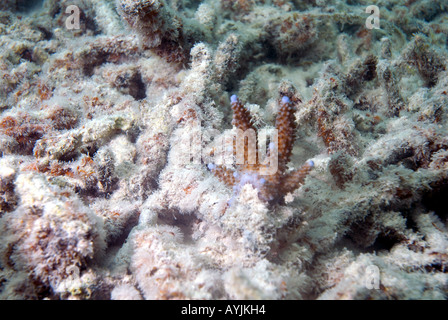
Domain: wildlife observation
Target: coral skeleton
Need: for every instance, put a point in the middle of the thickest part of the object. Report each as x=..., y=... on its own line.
x=162, y=150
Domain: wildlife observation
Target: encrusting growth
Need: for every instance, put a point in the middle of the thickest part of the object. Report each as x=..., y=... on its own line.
x=272, y=185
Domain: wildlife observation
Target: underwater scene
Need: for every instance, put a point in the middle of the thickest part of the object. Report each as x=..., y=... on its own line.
x=224, y=150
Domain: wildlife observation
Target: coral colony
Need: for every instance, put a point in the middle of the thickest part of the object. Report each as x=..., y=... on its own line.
x=269, y=179
x=217, y=149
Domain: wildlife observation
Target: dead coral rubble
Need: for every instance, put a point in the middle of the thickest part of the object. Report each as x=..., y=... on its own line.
x=161, y=28
x=271, y=185
x=101, y=196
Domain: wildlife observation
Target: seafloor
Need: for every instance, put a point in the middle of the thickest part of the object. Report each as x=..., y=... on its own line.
x=102, y=195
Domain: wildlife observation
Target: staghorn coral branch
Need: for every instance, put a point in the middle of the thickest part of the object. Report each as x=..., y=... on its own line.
x=271, y=187
x=286, y=126
x=296, y=178
x=223, y=174
x=241, y=116
x=242, y=120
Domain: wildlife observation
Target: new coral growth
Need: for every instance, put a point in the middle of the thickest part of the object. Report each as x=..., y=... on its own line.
x=272, y=180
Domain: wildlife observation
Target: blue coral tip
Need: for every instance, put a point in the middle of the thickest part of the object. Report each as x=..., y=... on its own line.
x=285, y=100
x=233, y=98
x=211, y=166
x=311, y=163
x=262, y=181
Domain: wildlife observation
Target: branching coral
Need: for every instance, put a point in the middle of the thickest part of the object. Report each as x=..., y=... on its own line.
x=161, y=28
x=272, y=180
